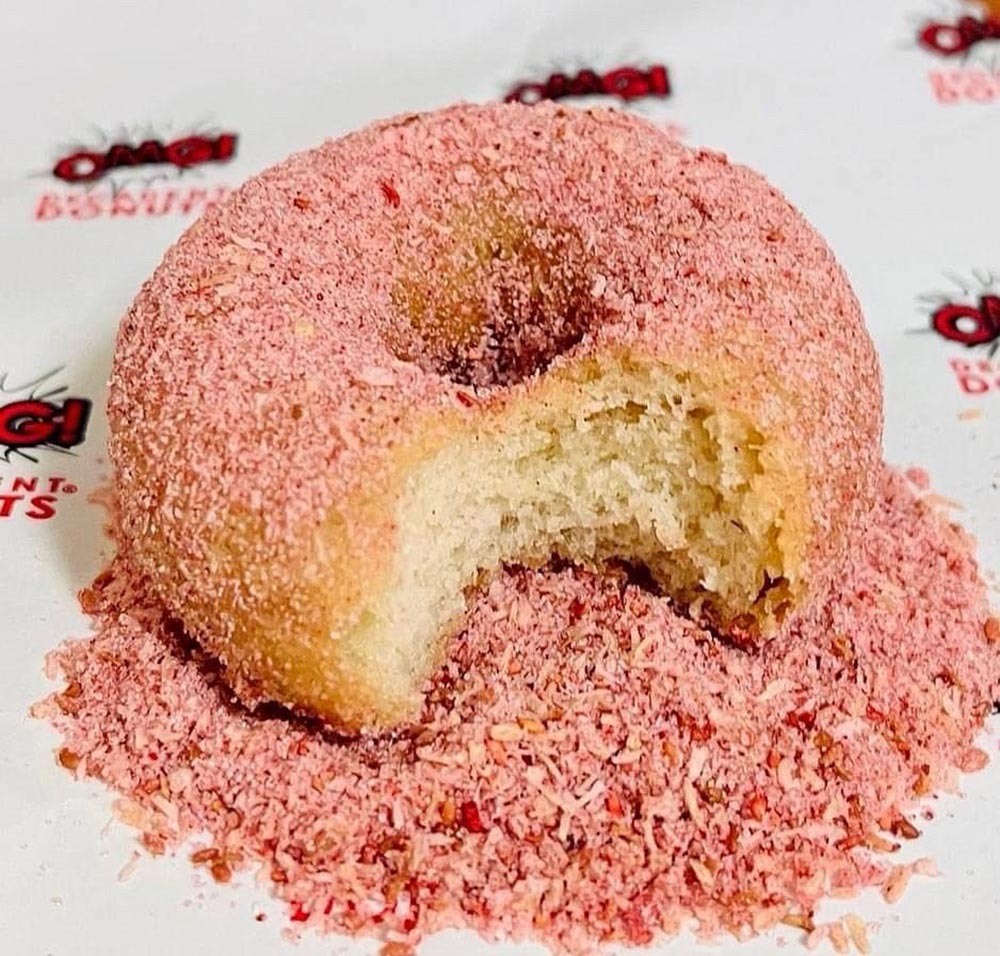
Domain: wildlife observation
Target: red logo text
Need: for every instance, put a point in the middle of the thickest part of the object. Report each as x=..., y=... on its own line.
x=953, y=39
x=86, y=166
x=32, y=423
x=970, y=85
x=626, y=83
x=976, y=377
x=33, y=497
x=125, y=203
x=969, y=325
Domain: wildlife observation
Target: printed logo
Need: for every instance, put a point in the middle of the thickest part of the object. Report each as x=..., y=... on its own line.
x=969, y=38
x=626, y=83
x=129, y=172
x=31, y=496
x=956, y=37
x=85, y=166
x=968, y=315
x=37, y=418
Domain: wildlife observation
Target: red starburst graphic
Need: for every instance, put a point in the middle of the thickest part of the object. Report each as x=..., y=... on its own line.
x=952, y=38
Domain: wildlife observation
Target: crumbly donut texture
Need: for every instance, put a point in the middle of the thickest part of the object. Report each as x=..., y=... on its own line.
x=485, y=335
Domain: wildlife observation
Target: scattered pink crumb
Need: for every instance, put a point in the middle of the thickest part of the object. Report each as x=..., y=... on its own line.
x=103, y=495
x=129, y=868
x=589, y=766
x=918, y=477
x=970, y=414
x=942, y=502
x=857, y=932
x=817, y=936
x=896, y=882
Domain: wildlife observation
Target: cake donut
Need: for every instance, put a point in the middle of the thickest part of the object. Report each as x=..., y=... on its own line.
x=489, y=334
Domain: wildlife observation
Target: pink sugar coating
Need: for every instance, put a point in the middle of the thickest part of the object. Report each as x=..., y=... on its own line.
x=252, y=373
x=589, y=765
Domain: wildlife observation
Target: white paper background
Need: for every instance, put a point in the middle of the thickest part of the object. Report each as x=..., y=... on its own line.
x=832, y=100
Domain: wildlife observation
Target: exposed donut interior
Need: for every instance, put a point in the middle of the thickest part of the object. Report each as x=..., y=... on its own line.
x=615, y=459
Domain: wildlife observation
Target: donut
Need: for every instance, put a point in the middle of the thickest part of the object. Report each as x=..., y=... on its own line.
x=489, y=335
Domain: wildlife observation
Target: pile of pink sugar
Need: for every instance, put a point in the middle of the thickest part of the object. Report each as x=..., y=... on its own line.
x=589, y=766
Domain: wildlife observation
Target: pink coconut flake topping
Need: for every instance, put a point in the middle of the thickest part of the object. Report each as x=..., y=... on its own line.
x=589, y=765
x=919, y=478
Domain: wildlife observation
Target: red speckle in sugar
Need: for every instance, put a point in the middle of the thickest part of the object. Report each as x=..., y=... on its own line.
x=874, y=715
x=755, y=806
x=389, y=191
x=470, y=817
x=803, y=719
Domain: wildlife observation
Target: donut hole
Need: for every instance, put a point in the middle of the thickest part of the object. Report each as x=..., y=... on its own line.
x=618, y=461
x=492, y=299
